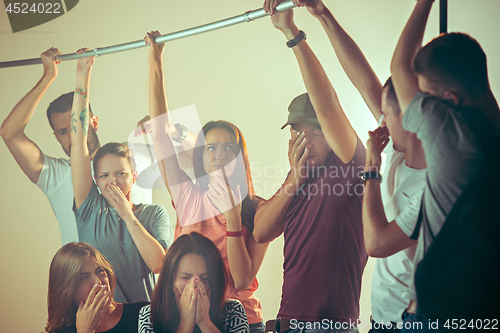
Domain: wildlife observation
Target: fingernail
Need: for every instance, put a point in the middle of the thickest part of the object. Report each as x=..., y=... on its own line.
x=303, y=133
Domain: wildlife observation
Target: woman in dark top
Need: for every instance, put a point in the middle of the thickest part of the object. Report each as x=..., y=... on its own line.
x=80, y=298
x=189, y=295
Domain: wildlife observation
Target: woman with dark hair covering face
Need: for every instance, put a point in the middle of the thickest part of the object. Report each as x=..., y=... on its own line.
x=221, y=203
x=80, y=298
x=189, y=296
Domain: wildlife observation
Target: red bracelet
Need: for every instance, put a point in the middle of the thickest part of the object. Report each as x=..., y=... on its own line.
x=234, y=233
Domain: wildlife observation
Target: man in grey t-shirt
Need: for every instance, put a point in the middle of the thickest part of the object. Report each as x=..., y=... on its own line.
x=446, y=74
x=53, y=175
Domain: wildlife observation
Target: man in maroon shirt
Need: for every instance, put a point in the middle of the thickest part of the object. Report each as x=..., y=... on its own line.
x=318, y=207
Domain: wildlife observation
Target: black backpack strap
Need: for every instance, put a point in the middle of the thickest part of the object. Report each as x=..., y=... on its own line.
x=416, y=231
x=486, y=136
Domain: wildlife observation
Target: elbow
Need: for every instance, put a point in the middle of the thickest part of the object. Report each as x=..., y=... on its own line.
x=375, y=248
x=261, y=237
x=258, y=236
x=257, y=233
x=158, y=264
x=261, y=233
x=243, y=283
x=5, y=133
x=156, y=268
x=374, y=253
x=394, y=63
x=392, y=67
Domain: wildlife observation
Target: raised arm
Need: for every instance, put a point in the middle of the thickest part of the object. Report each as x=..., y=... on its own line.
x=382, y=238
x=26, y=153
x=335, y=126
x=351, y=57
x=170, y=169
x=404, y=79
x=80, y=158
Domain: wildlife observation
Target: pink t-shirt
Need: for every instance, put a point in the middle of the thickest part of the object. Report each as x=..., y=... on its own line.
x=193, y=205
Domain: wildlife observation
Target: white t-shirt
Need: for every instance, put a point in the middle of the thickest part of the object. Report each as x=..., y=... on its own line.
x=401, y=190
x=56, y=182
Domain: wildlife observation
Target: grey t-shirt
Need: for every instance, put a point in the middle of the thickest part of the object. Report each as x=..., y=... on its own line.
x=453, y=160
x=100, y=225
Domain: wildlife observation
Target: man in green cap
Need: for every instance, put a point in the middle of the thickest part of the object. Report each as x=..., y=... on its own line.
x=318, y=207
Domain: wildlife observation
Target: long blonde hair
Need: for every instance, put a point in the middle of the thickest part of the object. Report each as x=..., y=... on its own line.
x=64, y=278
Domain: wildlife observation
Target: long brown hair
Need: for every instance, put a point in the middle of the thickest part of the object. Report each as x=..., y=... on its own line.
x=249, y=204
x=164, y=311
x=64, y=278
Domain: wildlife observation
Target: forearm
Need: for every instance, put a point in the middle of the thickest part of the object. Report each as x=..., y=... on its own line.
x=16, y=121
x=269, y=218
x=26, y=153
x=157, y=97
x=382, y=238
x=410, y=41
x=240, y=263
x=335, y=126
x=373, y=214
x=160, y=122
x=152, y=252
x=353, y=62
x=314, y=76
x=80, y=159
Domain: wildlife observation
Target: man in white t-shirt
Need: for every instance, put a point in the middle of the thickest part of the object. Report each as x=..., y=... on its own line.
x=398, y=197
x=53, y=175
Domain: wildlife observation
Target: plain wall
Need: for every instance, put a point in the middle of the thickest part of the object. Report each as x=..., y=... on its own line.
x=244, y=74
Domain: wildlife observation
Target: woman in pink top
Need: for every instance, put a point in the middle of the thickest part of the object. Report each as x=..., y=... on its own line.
x=221, y=203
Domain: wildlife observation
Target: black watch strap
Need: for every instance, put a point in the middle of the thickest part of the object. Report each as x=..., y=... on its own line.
x=371, y=175
x=296, y=40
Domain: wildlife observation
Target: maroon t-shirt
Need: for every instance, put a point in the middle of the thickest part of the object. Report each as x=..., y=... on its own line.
x=324, y=249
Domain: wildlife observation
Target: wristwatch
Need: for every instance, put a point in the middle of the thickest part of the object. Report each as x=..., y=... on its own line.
x=371, y=175
x=184, y=132
x=296, y=40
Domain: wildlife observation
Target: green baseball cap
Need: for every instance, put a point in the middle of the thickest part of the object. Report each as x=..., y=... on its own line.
x=301, y=111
